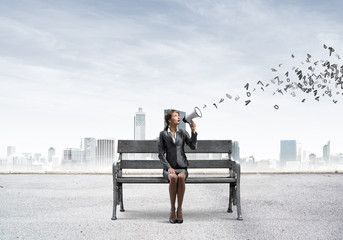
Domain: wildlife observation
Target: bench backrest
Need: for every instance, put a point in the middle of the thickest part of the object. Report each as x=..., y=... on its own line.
x=151, y=146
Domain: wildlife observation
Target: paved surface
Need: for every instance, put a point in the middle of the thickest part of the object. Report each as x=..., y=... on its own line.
x=274, y=206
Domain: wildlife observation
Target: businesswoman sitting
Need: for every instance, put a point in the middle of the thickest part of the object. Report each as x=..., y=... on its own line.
x=172, y=155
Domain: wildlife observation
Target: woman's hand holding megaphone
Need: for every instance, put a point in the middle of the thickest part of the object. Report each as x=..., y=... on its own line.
x=193, y=126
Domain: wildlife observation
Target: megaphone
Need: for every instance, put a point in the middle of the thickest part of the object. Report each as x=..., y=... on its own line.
x=196, y=113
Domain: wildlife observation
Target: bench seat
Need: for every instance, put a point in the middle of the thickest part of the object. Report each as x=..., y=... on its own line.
x=138, y=180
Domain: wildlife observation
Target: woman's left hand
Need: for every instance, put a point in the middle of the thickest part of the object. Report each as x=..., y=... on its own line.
x=193, y=126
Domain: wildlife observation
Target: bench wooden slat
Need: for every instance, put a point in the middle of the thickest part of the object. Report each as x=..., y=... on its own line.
x=151, y=146
x=155, y=180
x=156, y=164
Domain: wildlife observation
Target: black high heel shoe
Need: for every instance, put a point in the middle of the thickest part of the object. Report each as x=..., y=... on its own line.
x=172, y=218
x=179, y=219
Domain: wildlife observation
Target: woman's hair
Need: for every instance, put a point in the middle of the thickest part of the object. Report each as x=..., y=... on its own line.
x=168, y=116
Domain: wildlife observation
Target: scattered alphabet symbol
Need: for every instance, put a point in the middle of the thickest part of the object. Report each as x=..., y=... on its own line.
x=316, y=77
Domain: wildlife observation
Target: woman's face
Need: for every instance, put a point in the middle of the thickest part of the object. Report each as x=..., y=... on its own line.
x=175, y=119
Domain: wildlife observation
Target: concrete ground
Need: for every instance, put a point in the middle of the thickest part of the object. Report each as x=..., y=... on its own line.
x=274, y=206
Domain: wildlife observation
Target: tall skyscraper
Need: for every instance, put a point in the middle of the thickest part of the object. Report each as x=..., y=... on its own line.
x=51, y=153
x=139, y=127
x=235, y=150
x=10, y=150
x=326, y=152
x=182, y=124
x=288, y=151
x=88, y=145
x=105, y=153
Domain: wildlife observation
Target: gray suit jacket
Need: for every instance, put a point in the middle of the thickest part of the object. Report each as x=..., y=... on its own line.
x=172, y=154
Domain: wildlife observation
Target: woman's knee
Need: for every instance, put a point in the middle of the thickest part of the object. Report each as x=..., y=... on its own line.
x=172, y=177
x=181, y=177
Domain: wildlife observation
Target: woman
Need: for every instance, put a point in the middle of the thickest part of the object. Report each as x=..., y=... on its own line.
x=172, y=155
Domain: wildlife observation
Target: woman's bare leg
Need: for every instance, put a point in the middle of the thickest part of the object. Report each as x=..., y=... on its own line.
x=173, y=179
x=181, y=187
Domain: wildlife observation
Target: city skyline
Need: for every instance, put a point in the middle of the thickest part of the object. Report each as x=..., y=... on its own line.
x=292, y=157
x=141, y=132
x=73, y=69
x=88, y=153
x=289, y=150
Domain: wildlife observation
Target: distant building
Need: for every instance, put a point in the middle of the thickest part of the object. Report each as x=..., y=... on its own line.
x=248, y=163
x=288, y=151
x=252, y=160
x=305, y=155
x=235, y=150
x=337, y=160
x=182, y=124
x=105, y=153
x=21, y=162
x=10, y=151
x=37, y=157
x=88, y=145
x=3, y=163
x=299, y=155
x=313, y=160
x=326, y=152
x=139, y=127
x=51, y=153
x=72, y=156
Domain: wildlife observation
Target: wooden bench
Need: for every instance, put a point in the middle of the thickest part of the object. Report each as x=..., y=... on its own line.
x=151, y=146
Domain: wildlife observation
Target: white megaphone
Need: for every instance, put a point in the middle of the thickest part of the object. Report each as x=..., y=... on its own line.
x=196, y=113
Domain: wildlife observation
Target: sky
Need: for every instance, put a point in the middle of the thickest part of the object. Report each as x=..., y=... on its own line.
x=82, y=68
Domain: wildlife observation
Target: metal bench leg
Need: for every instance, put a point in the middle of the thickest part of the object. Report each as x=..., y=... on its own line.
x=238, y=193
x=239, y=211
x=115, y=203
x=229, y=210
x=121, y=198
x=115, y=192
x=234, y=194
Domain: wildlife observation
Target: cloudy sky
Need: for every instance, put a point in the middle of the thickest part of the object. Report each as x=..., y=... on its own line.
x=82, y=68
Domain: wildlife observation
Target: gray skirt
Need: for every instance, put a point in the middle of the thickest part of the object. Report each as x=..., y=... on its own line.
x=178, y=170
